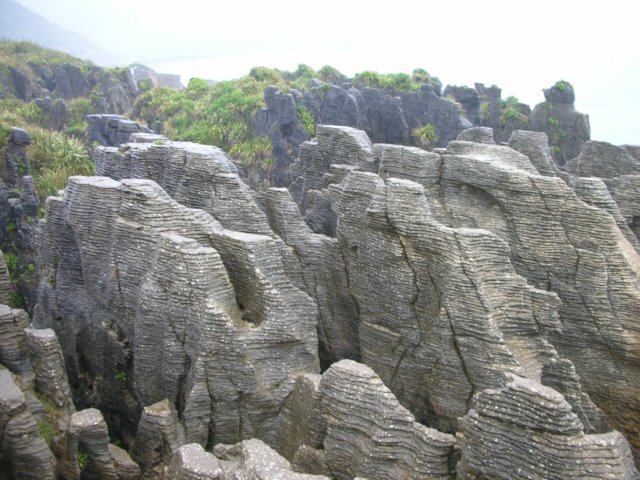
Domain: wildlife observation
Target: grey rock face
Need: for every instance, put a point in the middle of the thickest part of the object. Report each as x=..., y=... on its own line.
x=386, y=116
x=381, y=441
x=16, y=155
x=48, y=367
x=5, y=282
x=14, y=352
x=153, y=300
x=87, y=452
x=566, y=128
x=254, y=460
x=412, y=269
x=55, y=112
x=112, y=130
x=527, y=430
x=23, y=451
x=601, y=159
x=191, y=462
x=324, y=274
x=562, y=245
x=477, y=134
x=157, y=438
x=197, y=176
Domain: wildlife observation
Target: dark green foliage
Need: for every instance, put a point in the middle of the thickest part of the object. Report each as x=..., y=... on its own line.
x=425, y=136
x=307, y=120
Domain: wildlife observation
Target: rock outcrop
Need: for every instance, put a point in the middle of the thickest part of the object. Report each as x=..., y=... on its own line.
x=254, y=460
x=23, y=451
x=112, y=130
x=382, y=440
x=386, y=116
x=566, y=128
x=411, y=273
x=16, y=155
x=527, y=430
x=5, y=281
x=152, y=300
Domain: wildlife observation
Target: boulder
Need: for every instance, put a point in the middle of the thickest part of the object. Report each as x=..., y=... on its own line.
x=566, y=128
x=382, y=440
x=526, y=430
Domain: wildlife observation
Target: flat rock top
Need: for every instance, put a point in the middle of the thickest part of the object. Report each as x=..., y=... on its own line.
x=195, y=459
x=11, y=397
x=41, y=333
x=86, y=418
x=159, y=409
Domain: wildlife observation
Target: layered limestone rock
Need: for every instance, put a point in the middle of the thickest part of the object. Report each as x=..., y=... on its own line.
x=197, y=176
x=23, y=451
x=191, y=462
x=472, y=272
x=5, y=282
x=386, y=116
x=16, y=157
x=254, y=460
x=14, y=353
x=526, y=430
x=561, y=244
x=619, y=170
x=158, y=436
x=112, y=130
x=566, y=128
x=601, y=159
x=369, y=434
x=48, y=367
x=152, y=300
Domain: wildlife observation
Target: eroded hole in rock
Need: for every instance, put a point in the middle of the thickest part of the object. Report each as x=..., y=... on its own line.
x=248, y=315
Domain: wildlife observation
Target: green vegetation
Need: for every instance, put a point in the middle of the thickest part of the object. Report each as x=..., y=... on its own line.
x=55, y=157
x=425, y=136
x=561, y=85
x=47, y=426
x=121, y=377
x=510, y=114
x=47, y=430
x=83, y=460
x=307, y=120
x=553, y=121
x=17, y=54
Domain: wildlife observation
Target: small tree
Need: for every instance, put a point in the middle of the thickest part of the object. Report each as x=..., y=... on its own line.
x=425, y=136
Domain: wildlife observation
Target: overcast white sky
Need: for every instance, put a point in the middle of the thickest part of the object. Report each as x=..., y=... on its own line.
x=520, y=46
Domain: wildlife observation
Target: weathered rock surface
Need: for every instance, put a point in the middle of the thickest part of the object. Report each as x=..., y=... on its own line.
x=601, y=159
x=48, y=367
x=370, y=434
x=158, y=436
x=112, y=130
x=254, y=460
x=14, y=353
x=23, y=451
x=566, y=128
x=527, y=430
x=386, y=116
x=153, y=300
x=411, y=273
x=191, y=462
x=16, y=155
x=5, y=282
x=477, y=134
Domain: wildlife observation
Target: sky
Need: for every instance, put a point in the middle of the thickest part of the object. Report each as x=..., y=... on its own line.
x=522, y=47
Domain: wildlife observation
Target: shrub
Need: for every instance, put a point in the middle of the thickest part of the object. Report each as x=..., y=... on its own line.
x=426, y=136
x=55, y=157
x=307, y=120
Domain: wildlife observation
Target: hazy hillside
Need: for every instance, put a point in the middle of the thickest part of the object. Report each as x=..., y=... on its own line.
x=20, y=23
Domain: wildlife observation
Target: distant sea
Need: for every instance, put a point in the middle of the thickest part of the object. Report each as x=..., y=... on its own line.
x=610, y=97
